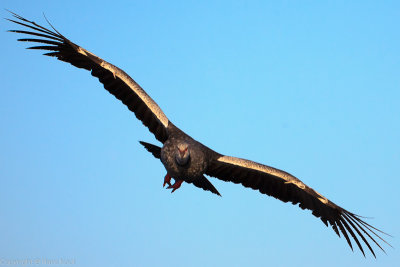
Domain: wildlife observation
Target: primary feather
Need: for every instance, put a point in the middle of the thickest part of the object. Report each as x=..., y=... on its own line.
x=201, y=160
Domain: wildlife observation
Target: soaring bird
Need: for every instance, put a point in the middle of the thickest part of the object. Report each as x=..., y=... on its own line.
x=187, y=160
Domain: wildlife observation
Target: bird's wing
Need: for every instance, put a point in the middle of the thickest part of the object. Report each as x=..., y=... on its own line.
x=202, y=182
x=154, y=150
x=286, y=187
x=115, y=80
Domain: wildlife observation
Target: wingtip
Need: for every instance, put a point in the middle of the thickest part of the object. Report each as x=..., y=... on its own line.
x=6, y=9
x=15, y=15
x=51, y=25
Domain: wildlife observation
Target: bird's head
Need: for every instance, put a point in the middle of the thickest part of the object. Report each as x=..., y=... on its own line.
x=182, y=154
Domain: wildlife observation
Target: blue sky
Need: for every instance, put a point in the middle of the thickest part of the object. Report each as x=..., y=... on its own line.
x=311, y=87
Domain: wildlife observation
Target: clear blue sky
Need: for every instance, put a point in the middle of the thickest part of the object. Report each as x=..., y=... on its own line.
x=311, y=87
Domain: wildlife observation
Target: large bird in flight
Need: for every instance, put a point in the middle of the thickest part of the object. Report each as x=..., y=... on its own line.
x=187, y=160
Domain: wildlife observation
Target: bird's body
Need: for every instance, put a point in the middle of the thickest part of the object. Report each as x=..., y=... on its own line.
x=195, y=166
x=187, y=160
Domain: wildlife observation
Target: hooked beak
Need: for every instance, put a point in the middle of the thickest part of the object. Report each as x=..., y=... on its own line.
x=182, y=152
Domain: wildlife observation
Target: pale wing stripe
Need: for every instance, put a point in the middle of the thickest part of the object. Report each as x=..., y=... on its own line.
x=117, y=72
x=289, y=179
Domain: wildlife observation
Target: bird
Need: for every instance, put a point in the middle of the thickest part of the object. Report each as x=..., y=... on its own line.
x=187, y=160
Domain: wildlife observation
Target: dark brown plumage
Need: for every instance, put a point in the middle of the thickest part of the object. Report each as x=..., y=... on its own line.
x=187, y=160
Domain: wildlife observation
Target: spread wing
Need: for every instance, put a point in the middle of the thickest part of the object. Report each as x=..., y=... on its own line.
x=115, y=80
x=286, y=187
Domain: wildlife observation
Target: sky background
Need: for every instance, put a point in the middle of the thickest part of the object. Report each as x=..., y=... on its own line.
x=310, y=87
